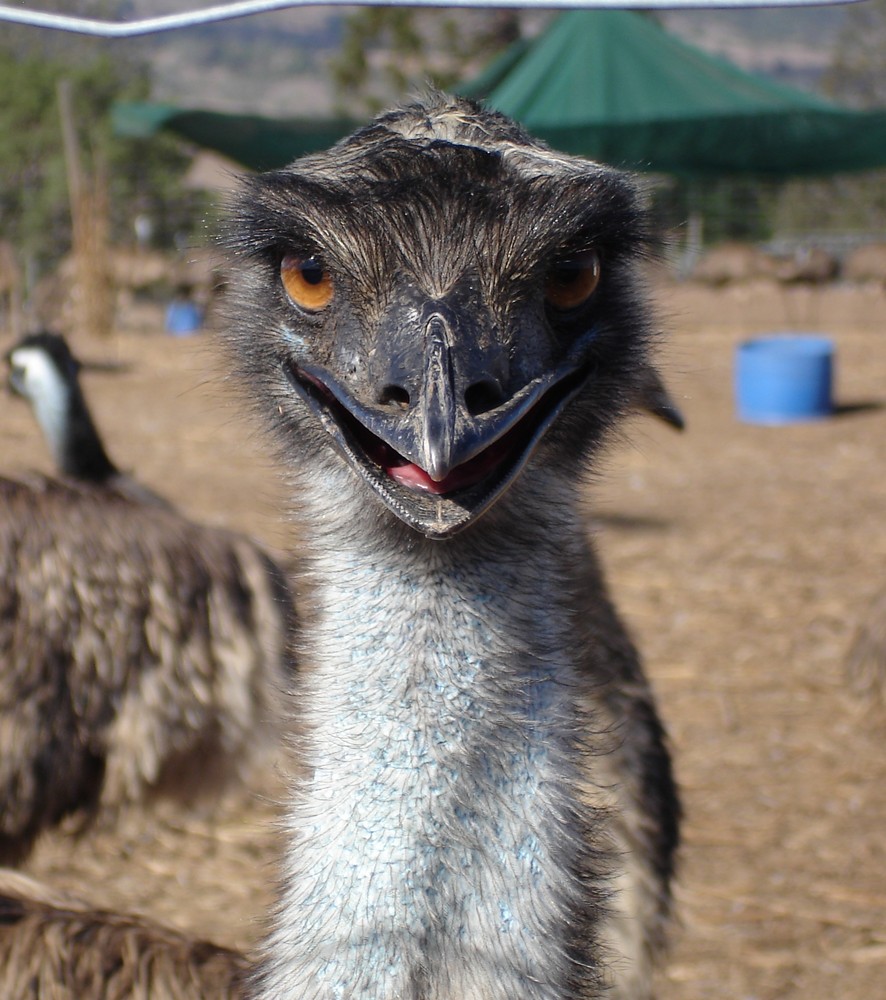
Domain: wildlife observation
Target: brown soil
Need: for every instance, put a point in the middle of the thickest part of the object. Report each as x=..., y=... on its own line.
x=743, y=558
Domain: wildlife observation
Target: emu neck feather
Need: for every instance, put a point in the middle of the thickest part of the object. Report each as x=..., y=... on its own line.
x=435, y=851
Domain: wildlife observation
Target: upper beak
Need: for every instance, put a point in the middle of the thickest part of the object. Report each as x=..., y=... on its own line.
x=14, y=381
x=439, y=434
x=452, y=443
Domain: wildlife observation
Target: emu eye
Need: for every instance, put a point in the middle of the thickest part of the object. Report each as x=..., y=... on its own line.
x=571, y=282
x=307, y=282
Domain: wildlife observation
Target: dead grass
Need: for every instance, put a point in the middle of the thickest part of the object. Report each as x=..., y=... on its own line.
x=742, y=557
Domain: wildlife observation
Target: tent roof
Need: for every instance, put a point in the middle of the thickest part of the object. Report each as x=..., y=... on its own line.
x=254, y=141
x=619, y=67
x=608, y=84
x=614, y=85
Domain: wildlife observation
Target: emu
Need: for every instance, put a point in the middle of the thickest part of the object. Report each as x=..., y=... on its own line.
x=444, y=313
x=63, y=949
x=44, y=371
x=141, y=651
x=441, y=322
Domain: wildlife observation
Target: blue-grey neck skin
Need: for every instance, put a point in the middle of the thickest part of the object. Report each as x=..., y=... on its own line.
x=437, y=847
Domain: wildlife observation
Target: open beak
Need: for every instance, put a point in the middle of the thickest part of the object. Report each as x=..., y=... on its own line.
x=437, y=465
x=14, y=378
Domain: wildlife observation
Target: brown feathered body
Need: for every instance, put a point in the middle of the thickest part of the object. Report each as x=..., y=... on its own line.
x=54, y=947
x=139, y=651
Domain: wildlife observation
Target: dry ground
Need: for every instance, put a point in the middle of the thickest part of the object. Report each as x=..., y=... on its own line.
x=741, y=556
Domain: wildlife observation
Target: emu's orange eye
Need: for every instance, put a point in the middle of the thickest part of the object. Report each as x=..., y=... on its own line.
x=307, y=282
x=570, y=283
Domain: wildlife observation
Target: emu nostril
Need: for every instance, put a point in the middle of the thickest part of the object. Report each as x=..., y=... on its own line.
x=394, y=395
x=483, y=396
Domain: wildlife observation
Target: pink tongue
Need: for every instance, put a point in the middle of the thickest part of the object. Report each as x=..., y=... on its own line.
x=415, y=478
x=466, y=474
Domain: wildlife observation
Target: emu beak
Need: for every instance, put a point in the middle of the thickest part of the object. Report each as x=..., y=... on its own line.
x=14, y=377
x=433, y=462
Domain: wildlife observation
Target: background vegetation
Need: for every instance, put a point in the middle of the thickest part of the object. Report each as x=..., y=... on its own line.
x=359, y=62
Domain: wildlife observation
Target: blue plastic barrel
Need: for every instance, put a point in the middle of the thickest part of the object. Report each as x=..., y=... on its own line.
x=784, y=379
x=183, y=318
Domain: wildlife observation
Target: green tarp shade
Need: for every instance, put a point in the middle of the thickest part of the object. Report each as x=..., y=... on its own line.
x=613, y=85
x=608, y=84
x=251, y=140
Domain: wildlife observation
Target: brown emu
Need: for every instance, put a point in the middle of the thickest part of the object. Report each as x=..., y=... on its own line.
x=140, y=650
x=441, y=321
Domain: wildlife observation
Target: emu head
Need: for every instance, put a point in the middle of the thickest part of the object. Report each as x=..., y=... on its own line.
x=444, y=304
x=41, y=364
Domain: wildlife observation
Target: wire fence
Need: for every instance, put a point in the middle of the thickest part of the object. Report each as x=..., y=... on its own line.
x=245, y=8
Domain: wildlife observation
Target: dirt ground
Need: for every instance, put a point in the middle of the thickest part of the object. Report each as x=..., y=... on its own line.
x=742, y=557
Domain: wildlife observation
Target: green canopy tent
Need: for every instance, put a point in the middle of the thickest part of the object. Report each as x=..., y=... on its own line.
x=608, y=84
x=615, y=86
x=252, y=140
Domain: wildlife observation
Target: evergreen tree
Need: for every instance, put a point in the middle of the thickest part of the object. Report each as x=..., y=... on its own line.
x=857, y=75
x=388, y=52
x=142, y=176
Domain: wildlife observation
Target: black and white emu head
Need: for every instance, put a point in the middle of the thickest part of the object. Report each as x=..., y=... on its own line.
x=43, y=370
x=442, y=304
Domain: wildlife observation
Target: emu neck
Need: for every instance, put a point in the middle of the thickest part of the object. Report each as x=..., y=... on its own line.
x=436, y=849
x=72, y=436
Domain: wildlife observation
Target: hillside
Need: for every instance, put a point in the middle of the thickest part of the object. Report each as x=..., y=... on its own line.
x=269, y=63
x=794, y=46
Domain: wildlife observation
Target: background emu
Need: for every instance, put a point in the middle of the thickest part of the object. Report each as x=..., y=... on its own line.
x=139, y=649
x=44, y=371
x=64, y=950
x=440, y=319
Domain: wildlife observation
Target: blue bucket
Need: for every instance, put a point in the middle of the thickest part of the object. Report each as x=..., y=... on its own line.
x=784, y=379
x=183, y=318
